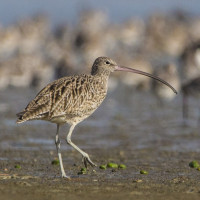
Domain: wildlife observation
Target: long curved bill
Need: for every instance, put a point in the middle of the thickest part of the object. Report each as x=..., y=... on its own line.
x=127, y=69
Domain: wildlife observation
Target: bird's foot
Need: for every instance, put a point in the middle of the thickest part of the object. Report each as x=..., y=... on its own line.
x=86, y=159
x=65, y=176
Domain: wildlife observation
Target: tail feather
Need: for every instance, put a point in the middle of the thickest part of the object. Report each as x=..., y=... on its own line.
x=20, y=114
x=20, y=117
x=24, y=116
x=28, y=115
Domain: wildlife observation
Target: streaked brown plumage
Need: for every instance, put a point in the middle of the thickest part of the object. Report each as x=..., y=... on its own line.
x=67, y=100
x=72, y=99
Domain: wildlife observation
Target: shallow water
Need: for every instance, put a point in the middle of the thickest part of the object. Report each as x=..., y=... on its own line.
x=138, y=133
x=115, y=122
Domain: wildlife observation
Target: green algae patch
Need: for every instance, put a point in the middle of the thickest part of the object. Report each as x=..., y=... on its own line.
x=112, y=165
x=18, y=167
x=198, y=168
x=122, y=166
x=144, y=172
x=194, y=164
x=82, y=171
x=55, y=162
x=103, y=167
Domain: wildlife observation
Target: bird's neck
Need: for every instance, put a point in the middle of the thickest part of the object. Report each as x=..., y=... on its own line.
x=102, y=78
x=103, y=75
x=99, y=71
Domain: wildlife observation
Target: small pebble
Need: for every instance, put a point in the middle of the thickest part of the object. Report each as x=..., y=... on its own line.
x=137, y=181
x=143, y=172
x=194, y=164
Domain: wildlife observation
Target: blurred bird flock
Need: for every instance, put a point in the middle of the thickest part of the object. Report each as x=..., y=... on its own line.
x=32, y=53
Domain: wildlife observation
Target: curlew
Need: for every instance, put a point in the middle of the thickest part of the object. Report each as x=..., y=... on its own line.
x=72, y=99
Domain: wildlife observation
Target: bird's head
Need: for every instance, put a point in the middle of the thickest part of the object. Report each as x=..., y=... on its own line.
x=104, y=66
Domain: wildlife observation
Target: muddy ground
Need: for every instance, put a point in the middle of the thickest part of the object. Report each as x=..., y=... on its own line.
x=138, y=133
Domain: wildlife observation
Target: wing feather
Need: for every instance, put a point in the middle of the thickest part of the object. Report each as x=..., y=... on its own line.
x=73, y=96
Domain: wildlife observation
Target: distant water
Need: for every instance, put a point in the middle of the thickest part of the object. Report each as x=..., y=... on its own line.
x=67, y=11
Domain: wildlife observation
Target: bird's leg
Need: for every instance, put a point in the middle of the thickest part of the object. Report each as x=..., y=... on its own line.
x=185, y=107
x=86, y=158
x=198, y=123
x=57, y=142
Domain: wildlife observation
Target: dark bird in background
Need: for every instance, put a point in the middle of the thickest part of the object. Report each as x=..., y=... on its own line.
x=190, y=75
x=192, y=88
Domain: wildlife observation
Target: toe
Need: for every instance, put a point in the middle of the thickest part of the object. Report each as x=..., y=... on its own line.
x=67, y=177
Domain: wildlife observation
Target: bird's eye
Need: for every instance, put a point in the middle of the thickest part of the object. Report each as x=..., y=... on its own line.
x=107, y=62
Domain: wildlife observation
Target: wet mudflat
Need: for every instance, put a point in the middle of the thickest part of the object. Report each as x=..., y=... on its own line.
x=139, y=133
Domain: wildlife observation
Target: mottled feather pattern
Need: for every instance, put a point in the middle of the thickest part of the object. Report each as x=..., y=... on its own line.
x=71, y=100
x=70, y=97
